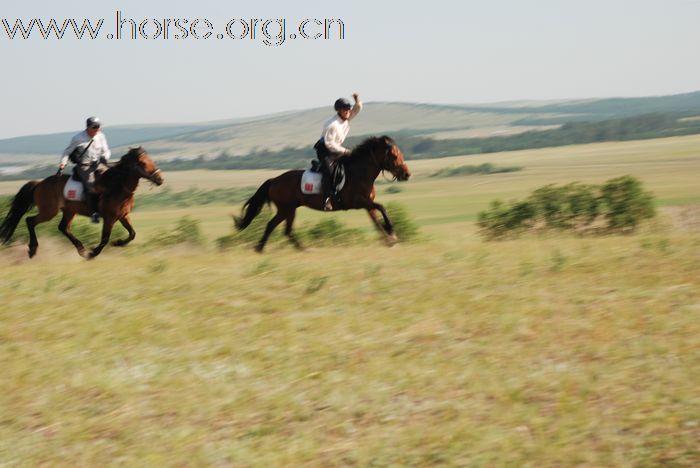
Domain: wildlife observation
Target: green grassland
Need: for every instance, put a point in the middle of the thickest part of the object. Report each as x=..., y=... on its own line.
x=550, y=350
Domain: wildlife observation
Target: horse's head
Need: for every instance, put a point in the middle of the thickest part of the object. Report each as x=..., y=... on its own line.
x=393, y=160
x=138, y=160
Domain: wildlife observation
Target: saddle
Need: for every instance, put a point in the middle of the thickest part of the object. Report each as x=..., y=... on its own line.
x=312, y=179
x=75, y=189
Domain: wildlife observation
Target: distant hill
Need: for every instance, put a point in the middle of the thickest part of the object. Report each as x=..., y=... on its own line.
x=118, y=136
x=639, y=127
x=301, y=128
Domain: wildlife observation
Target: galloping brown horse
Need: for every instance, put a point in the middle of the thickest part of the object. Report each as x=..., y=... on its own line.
x=371, y=157
x=117, y=186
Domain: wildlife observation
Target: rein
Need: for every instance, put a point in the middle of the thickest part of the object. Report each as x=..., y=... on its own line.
x=121, y=167
x=386, y=178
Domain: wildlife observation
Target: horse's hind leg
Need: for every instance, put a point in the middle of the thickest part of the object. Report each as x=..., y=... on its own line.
x=126, y=222
x=64, y=227
x=289, y=222
x=44, y=215
x=278, y=218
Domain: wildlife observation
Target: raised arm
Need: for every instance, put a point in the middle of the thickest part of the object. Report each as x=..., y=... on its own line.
x=356, y=108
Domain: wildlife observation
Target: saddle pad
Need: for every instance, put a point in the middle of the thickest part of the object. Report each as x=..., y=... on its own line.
x=73, y=190
x=311, y=183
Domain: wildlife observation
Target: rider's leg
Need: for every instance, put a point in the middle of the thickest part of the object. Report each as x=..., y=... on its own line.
x=328, y=183
x=87, y=173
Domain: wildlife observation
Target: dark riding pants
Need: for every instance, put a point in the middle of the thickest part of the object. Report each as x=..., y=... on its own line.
x=87, y=173
x=328, y=165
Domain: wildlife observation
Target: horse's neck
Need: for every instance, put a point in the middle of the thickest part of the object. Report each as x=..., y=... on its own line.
x=126, y=184
x=364, y=170
x=131, y=183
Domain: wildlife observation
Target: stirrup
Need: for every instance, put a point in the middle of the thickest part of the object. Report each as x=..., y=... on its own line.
x=328, y=206
x=95, y=218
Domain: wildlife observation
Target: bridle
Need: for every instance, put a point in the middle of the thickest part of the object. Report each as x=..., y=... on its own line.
x=141, y=172
x=146, y=175
x=387, y=154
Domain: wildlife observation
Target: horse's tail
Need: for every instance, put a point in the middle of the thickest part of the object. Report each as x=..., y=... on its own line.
x=23, y=202
x=253, y=206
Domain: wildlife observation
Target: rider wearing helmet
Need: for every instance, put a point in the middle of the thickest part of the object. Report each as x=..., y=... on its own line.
x=88, y=150
x=330, y=147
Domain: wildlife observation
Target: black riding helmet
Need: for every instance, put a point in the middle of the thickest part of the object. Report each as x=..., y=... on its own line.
x=342, y=104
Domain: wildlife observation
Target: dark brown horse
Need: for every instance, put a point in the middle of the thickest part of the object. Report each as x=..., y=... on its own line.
x=371, y=157
x=116, y=186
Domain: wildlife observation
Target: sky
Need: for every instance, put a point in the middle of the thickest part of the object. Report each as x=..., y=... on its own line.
x=446, y=52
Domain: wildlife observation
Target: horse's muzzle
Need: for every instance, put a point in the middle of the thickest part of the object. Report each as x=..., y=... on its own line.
x=156, y=178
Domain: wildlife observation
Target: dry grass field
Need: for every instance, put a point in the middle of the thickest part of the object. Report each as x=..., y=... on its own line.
x=550, y=350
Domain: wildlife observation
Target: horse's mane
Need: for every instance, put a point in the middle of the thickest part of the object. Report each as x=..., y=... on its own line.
x=114, y=177
x=366, y=148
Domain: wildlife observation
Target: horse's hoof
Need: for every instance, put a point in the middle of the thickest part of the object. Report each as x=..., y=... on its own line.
x=259, y=248
x=91, y=255
x=392, y=240
x=32, y=252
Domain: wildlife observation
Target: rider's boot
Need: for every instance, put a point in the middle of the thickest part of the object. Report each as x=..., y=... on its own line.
x=92, y=202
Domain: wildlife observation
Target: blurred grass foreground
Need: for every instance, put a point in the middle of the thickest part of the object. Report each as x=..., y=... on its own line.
x=551, y=349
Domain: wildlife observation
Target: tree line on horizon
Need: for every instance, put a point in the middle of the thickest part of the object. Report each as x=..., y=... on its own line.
x=416, y=146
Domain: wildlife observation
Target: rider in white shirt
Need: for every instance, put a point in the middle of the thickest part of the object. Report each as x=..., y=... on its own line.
x=90, y=151
x=330, y=146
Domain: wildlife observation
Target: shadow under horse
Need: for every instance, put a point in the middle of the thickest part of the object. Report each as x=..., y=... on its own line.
x=116, y=187
x=362, y=167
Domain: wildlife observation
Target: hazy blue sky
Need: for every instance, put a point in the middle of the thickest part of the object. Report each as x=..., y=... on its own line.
x=438, y=51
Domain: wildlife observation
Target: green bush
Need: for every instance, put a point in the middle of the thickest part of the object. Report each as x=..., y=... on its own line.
x=619, y=205
x=583, y=204
x=330, y=232
x=626, y=203
x=571, y=206
x=186, y=231
x=404, y=227
x=501, y=220
x=484, y=169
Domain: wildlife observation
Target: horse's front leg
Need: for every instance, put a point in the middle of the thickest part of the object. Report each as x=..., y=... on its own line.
x=387, y=229
x=126, y=222
x=107, y=225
